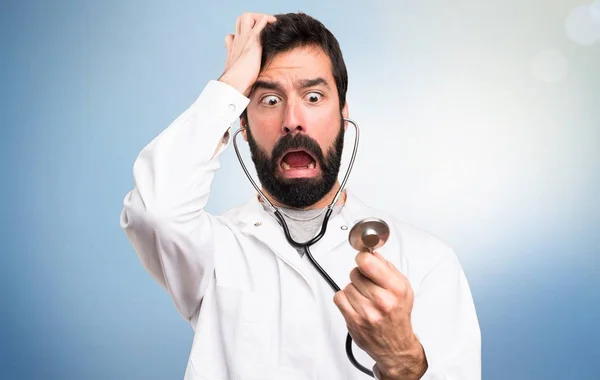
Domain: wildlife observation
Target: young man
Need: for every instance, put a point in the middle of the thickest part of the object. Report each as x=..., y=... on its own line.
x=258, y=307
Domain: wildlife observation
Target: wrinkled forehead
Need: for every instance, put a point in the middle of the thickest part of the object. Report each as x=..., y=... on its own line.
x=300, y=64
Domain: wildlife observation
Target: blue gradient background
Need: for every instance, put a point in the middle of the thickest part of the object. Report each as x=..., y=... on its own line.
x=491, y=147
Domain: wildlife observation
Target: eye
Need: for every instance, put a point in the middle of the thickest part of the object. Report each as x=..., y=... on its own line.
x=314, y=97
x=270, y=100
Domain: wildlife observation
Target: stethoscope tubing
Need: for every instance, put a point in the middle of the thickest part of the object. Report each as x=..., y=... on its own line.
x=321, y=233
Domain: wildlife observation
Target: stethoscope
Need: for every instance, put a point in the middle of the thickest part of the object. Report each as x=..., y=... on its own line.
x=366, y=235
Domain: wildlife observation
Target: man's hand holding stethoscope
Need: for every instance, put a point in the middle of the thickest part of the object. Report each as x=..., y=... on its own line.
x=377, y=306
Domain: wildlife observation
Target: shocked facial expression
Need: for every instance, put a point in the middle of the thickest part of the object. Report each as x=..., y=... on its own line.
x=295, y=127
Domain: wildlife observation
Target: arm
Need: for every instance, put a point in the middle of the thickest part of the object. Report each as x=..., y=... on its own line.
x=163, y=215
x=432, y=334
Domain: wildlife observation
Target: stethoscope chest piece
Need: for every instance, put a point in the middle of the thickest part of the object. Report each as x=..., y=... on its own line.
x=369, y=234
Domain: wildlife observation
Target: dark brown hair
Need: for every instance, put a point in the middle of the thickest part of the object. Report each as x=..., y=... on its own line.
x=292, y=30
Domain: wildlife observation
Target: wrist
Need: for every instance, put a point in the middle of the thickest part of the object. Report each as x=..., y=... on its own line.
x=242, y=86
x=408, y=365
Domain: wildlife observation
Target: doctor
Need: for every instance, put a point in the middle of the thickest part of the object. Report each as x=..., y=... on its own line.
x=259, y=310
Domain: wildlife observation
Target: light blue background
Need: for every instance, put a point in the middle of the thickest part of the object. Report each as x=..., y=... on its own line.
x=488, y=144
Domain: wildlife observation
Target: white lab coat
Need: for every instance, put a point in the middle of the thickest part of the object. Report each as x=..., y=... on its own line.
x=258, y=309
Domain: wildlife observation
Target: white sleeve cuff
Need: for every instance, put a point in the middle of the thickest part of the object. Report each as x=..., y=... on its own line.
x=224, y=104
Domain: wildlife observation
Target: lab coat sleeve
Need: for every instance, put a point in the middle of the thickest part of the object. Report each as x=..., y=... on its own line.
x=446, y=323
x=164, y=214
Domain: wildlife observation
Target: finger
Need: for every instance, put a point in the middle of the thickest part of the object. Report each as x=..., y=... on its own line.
x=271, y=19
x=387, y=262
x=376, y=270
x=363, y=284
x=238, y=23
x=379, y=298
x=359, y=303
x=260, y=24
x=257, y=16
x=247, y=22
x=341, y=301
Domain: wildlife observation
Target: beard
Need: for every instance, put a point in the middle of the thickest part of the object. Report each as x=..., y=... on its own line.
x=297, y=192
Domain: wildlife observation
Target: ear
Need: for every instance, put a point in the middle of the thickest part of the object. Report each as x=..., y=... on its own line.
x=244, y=124
x=345, y=115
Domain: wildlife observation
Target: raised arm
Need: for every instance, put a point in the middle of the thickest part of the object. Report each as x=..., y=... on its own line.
x=164, y=214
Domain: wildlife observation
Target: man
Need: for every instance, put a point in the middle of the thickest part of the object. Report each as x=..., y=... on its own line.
x=258, y=308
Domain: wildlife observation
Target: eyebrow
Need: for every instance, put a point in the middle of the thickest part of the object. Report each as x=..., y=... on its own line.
x=302, y=83
x=266, y=85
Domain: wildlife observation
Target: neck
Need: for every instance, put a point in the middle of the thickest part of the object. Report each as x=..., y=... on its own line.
x=322, y=203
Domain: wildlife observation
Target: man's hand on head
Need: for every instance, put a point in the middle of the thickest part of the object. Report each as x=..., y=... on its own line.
x=244, y=51
x=377, y=306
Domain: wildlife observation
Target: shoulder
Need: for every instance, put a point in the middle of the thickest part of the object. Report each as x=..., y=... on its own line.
x=241, y=214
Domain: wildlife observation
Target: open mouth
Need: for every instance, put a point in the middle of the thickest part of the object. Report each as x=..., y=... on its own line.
x=298, y=163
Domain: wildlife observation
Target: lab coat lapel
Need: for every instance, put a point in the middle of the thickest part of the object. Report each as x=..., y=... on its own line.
x=338, y=228
x=335, y=235
x=258, y=223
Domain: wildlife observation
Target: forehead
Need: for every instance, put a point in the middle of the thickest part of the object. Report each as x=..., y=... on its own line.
x=303, y=62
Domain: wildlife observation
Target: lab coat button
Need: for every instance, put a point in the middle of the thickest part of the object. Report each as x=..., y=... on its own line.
x=344, y=227
x=232, y=108
x=257, y=224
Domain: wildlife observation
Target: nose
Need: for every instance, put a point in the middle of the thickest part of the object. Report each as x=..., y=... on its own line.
x=293, y=118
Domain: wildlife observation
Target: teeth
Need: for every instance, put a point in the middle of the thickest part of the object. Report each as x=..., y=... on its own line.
x=287, y=167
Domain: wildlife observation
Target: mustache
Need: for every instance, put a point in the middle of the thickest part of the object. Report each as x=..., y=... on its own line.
x=298, y=141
